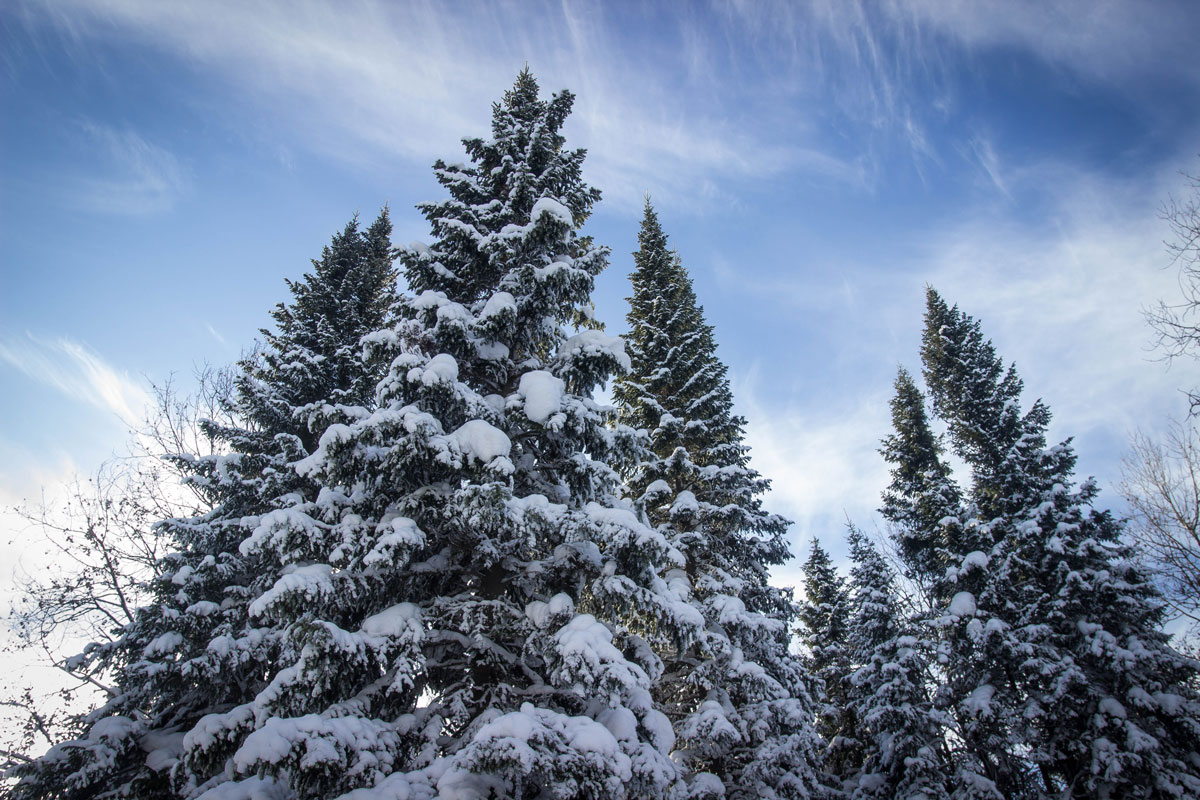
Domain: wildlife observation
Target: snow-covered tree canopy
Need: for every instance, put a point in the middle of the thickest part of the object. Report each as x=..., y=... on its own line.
x=1043, y=633
x=420, y=578
x=901, y=736
x=432, y=565
x=825, y=634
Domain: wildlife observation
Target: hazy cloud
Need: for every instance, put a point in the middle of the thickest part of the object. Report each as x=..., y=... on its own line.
x=125, y=174
x=823, y=463
x=1062, y=296
x=77, y=372
x=409, y=79
x=1118, y=41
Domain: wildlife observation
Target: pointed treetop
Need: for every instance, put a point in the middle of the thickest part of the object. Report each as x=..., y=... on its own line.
x=979, y=399
x=522, y=176
x=743, y=731
x=651, y=235
x=525, y=90
x=969, y=384
x=922, y=500
x=819, y=571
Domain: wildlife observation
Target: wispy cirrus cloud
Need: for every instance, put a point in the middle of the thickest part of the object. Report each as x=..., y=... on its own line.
x=699, y=98
x=125, y=173
x=407, y=80
x=1116, y=41
x=895, y=67
x=1060, y=292
x=78, y=373
x=894, y=41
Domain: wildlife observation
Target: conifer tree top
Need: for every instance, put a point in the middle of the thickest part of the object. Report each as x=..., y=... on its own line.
x=522, y=171
x=676, y=373
x=1048, y=629
x=743, y=702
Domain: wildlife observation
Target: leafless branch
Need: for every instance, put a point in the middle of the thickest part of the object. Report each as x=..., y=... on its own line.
x=1177, y=324
x=104, y=544
x=1161, y=482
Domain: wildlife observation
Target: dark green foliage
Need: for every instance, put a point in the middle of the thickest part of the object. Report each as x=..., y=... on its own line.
x=825, y=634
x=1055, y=676
x=979, y=400
x=740, y=704
x=193, y=649
x=678, y=391
x=922, y=502
x=291, y=388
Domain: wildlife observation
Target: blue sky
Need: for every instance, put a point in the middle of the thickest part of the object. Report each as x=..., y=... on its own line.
x=164, y=166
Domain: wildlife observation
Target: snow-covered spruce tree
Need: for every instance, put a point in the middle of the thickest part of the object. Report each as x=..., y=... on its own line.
x=825, y=635
x=900, y=731
x=466, y=609
x=927, y=514
x=197, y=647
x=1056, y=629
x=740, y=704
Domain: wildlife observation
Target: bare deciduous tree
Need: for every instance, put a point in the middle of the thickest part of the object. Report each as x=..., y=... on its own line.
x=1177, y=324
x=1161, y=477
x=1161, y=482
x=103, y=544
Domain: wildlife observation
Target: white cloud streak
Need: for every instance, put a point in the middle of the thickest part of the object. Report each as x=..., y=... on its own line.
x=407, y=80
x=891, y=65
x=221, y=340
x=126, y=174
x=78, y=373
x=732, y=92
x=1116, y=41
x=1060, y=296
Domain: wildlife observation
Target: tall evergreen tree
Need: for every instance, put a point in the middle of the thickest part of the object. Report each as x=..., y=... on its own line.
x=825, y=634
x=900, y=730
x=467, y=608
x=934, y=528
x=1058, y=674
x=740, y=704
x=678, y=391
x=197, y=648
